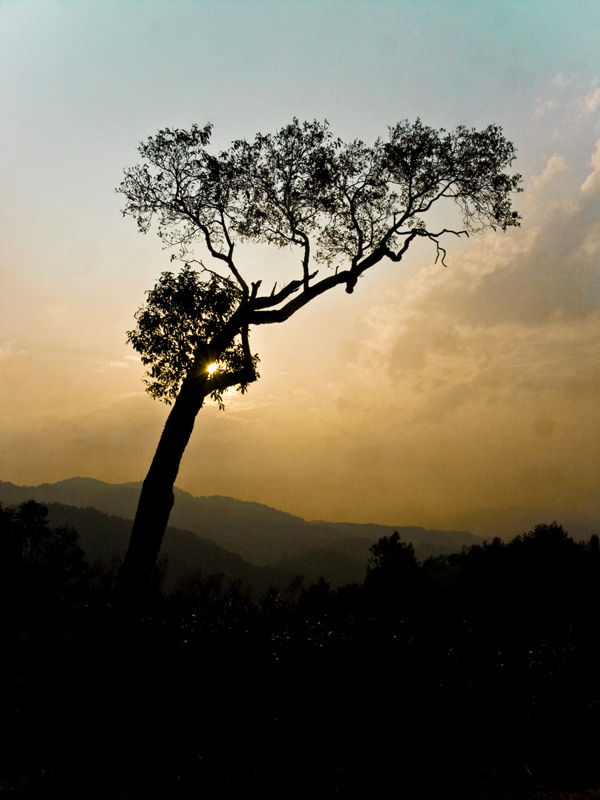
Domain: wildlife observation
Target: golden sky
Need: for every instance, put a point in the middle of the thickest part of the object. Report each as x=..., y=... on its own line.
x=430, y=391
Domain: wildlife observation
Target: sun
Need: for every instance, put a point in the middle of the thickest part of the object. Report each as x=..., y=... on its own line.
x=212, y=368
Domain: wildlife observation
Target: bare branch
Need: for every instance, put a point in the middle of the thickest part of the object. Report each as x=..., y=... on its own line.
x=274, y=299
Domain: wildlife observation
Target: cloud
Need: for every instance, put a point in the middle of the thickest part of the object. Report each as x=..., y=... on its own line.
x=529, y=285
x=487, y=374
x=113, y=441
x=14, y=368
x=119, y=364
x=58, y=310
x=592, y=183
x=563, y=81
x=9, y=350
x=543, y=107
x=470, y=386
x=556, y=165
x=591, y=102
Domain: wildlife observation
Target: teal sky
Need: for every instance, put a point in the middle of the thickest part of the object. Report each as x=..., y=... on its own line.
x=430, y=392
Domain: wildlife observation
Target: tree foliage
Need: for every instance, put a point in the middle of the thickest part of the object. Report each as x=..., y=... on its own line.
x=343, y=205
x=183, y=312
x=300, y=182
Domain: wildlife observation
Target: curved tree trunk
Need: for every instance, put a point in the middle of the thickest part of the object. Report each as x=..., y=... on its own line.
x=156, y=498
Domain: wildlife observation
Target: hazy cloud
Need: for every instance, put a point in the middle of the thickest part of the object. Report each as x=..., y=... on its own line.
x=57, y=311
x=9, y=349
x=591, y=102
x=556, y=166
x=497, y=358
x=592, y=182
x=462, y=387
x=543, y=107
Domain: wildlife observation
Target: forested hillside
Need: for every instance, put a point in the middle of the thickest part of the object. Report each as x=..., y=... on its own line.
x=260, y=535
x=476, y=670
x=104, y=538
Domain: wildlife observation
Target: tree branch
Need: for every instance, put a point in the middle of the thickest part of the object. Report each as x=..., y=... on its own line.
x=274, y=299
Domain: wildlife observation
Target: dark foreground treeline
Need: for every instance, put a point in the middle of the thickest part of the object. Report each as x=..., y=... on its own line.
x=476, y=673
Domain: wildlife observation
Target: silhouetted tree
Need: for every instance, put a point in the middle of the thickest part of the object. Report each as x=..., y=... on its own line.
x=532, y=590
x=390, y=555
x=393, y=575
x=346, y=206
x=38, y=564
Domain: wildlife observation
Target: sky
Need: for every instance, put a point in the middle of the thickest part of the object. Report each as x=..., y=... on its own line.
x=429, y=393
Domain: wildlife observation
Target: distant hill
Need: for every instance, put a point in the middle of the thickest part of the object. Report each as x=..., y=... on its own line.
x=261, y=535
x=104, y=537
x=257, y=544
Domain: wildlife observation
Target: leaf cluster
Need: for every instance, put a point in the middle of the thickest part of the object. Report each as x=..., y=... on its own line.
x=183, y=313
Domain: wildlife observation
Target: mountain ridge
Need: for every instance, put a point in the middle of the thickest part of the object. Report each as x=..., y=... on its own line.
x=104, y=537
x=263, y=538
x=258, y=533
x=121, y=499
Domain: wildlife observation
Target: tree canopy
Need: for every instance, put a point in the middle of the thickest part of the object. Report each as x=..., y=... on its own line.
x=341, y=206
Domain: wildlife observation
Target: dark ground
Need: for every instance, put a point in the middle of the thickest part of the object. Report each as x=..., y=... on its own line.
x=473, y=676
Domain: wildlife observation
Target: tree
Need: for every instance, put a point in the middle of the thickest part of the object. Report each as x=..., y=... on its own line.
x=392, y=573
x=392, y=557
x=342, y=206
x=39, y=565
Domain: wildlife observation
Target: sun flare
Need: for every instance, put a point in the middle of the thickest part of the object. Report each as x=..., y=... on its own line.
x=212, y=368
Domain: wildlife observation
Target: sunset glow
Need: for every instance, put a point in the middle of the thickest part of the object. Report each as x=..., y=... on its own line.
x=428, y=394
